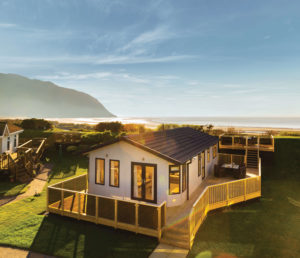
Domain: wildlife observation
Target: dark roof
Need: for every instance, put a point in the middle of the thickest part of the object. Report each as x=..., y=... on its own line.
x=177, y=145
x=11, y=128
x=2, y=127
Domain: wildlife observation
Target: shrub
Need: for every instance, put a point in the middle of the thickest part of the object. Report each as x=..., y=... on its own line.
x=114, y=127
x=71, y=148
x=96, y=138
x=36, y=124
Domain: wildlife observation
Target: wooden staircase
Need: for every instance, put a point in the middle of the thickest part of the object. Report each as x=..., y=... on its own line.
x=22, y=163
x=252, y=158
x=177, y=235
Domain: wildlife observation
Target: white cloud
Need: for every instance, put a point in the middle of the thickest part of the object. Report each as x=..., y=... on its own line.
x=7, y=25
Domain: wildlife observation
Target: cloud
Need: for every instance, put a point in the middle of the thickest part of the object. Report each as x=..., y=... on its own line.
x=7, y=25
x=63, y=76
x=95, y=60
x=156, y=35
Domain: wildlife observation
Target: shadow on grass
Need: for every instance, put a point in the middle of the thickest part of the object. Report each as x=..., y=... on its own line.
x=66, y=237
x=268, y=227
x=65, y=164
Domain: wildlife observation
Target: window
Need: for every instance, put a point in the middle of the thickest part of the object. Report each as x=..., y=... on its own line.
x=184, y=178
x=8, y=143
x=114, y=172
x=215, y=151
x=15, y=141
x=100, y=170
x=203, y=164
x=199, y=165
x=174, y=179
x=208, y=155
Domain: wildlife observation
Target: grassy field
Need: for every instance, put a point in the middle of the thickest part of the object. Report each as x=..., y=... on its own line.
x=24, y=225
x=12, y=188
x=268, y=227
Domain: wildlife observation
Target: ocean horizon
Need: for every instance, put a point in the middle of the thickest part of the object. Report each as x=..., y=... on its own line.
x=252, y=122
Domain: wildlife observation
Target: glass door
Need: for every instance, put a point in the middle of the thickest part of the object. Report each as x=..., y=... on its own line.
x=143, y=186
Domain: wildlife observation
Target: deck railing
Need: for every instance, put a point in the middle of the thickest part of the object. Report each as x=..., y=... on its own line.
x=69, y=198
x=221, y=195
x=231, y=158
x=261, y=142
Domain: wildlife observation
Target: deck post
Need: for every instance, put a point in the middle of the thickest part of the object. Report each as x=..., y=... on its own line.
x=47, y=196
x=136, y=218
x=116, y=213
x=79, y=197
x=165, y=218
x=232, y=140
x=227, y=194
x=245, y=189
x=159, y=223
x=62, y=202
x=97, y=203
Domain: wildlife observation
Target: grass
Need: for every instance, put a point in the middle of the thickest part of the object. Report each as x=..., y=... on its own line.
x=268, y=227
x=12, y=188
x=23, y=225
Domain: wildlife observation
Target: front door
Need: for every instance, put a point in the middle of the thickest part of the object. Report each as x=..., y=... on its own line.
x=143, y=182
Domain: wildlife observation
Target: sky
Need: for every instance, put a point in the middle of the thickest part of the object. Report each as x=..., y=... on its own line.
x=161, y=58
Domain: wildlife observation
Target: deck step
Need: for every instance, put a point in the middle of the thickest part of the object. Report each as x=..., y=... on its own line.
x=181, y=244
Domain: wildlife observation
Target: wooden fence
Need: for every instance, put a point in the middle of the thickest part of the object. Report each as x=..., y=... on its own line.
x=69, y=198
x=221, y=195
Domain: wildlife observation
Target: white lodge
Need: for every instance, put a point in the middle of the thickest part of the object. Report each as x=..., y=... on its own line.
x=153, y=167
x=9, y=137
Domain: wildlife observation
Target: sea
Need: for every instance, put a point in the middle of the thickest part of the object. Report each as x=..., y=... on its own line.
x=152, y=122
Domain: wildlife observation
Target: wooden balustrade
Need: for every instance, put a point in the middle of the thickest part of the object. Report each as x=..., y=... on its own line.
x=69, y=198
x=221, y=195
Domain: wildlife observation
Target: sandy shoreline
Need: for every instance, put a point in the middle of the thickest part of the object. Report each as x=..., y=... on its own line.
x=149, y=123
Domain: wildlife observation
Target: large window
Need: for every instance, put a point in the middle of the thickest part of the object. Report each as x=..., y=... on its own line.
x=208, y=155
x=184, y=177
x=100, y=171
x=215, y=151
x=114, y=173
x=174, y=179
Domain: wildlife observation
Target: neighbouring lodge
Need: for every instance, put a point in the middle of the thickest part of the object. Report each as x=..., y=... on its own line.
x=9, y=137
x=153, y=167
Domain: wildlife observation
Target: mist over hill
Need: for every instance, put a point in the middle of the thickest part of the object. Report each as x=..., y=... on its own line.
x=23, y=97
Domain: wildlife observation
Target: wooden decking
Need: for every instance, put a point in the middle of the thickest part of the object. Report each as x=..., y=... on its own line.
x=177, y=230
x=4, y=161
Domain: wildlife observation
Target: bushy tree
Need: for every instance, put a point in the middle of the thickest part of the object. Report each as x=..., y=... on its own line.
x=35, y=124
x=114, y=127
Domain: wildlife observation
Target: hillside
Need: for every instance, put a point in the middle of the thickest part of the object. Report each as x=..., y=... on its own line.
x=23, y=97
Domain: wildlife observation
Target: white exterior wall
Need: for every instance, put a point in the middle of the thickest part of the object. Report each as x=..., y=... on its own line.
x=3, y=142
x=194, y=179
x=126, y=153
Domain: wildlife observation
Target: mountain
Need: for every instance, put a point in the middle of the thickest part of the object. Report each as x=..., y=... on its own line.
x=23, y=97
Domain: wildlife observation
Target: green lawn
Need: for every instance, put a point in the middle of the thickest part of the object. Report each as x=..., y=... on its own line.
x=23, y=225
x=268, y=227
x=12, y=188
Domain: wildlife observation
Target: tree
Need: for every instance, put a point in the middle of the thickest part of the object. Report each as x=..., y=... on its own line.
x=36, y=124
x=114, y=127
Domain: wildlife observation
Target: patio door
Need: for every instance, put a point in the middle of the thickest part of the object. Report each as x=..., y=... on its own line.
x=143, y=182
